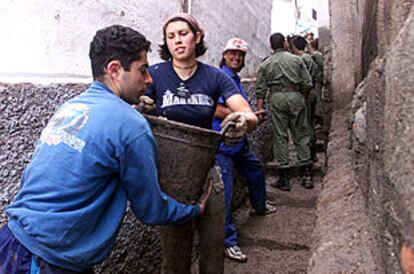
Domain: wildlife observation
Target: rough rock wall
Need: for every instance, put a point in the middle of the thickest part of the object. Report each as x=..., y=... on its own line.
x=346, y=29
x=391, y=16
x=384, y=150
x=380, y=125
x=369, y=35
x=398, y=130
x=25, y=110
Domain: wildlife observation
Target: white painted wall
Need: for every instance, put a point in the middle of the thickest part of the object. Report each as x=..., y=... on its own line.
x=284, y=17
x=287, y=18
x=48, y=40
x=44, y=41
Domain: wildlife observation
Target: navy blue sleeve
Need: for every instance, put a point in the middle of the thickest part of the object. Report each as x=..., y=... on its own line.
x=227, y=86
x=140, y=182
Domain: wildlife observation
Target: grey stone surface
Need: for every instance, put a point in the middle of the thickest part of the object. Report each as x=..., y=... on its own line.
x=398, y=149
x=25, y=110
x=344, y=237
x=391, y=16
x=359, y=125
x=346, y=30
x=380, y=168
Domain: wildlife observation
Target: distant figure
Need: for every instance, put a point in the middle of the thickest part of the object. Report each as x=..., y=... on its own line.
x=318, y=85
x=309, y=36
x=299, y=45
x=285, y=76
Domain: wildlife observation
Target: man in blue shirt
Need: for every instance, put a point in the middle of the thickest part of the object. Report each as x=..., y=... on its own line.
x=238, y=156
x=96, y=153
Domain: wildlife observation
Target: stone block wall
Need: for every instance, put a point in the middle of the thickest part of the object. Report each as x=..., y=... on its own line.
x=380, y=147
x=346, y=30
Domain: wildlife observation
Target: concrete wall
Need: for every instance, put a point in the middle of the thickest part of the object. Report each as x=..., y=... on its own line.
x=48, y=40
x=223, y=20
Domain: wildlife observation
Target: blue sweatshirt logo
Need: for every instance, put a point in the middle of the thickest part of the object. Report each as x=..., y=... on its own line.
x=64, y=126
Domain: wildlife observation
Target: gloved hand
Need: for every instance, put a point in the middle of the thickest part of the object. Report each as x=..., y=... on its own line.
x=237, y=128
x=146, y=104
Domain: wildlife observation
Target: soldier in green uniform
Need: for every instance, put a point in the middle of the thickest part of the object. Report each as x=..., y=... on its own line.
x=285, y=76
x=318, y=58
x=298, y=45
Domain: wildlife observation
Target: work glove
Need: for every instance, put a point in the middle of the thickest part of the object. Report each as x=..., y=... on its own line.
x=234, y=127
x=146, y=104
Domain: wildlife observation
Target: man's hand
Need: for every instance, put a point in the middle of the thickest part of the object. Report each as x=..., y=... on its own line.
x=146, y=104
x=261, y=115
x=206, y=194
x=235, y=133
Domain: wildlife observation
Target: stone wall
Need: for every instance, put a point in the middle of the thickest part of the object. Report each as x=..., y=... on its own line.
x=346, y=30
x=378, y=145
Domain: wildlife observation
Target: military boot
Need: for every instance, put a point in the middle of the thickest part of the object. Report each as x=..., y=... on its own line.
x=313, y=152
x=283, y=182
x=307, y=177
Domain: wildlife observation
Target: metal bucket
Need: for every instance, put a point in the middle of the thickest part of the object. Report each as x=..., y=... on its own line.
x=185, y=155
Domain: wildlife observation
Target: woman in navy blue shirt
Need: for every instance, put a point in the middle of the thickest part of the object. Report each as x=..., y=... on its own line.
x=187, y=91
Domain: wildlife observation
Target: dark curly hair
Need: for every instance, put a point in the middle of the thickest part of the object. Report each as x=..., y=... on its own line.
x=299, y=42
x=116, y=42
x=277, y=41
x=165, y=53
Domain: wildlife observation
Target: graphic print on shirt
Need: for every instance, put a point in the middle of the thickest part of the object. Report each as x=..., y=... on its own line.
x=199, y=99
x=64, y=126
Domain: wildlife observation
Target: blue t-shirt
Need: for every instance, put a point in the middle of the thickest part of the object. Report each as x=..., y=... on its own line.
x=192, y=101
x=96, y=153
x=230, y=150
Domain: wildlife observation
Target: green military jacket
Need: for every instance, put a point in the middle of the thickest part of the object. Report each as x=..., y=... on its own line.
x=311, y=66
x=318, y=58
x=282, y=69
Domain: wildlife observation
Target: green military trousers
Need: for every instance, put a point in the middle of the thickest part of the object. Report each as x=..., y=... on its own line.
x=177, y=240
x=288, y=112
x=311, y=111
x=319, y=106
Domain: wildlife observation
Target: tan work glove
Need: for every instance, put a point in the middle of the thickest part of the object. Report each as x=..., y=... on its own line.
x=146, y=104
x=237, y=128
